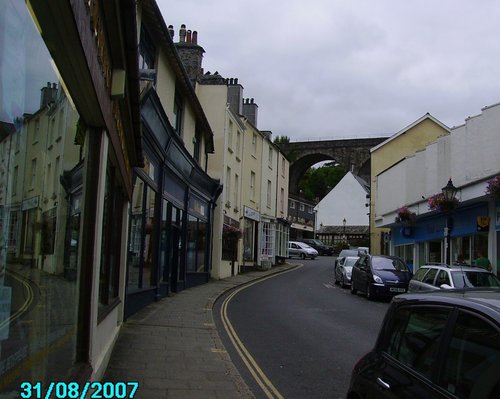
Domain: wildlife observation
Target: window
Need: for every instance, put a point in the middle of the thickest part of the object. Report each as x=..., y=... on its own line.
x=302, y=207
x=442, y=278
x=269, y=187
x=282, y=200
x=36, y=133
x=197, y=146
x=270, y=157
x=252, y=185
x=33, y=173
x=230, y=136
x=228, y=185
x=292, y=204
x=238, y=143
x=178, y=113
x=415, y=337
x=236, y=190
x=429, y=277
x=282, y=166
x=146, y=51
x=254, y=144
x=471, y=367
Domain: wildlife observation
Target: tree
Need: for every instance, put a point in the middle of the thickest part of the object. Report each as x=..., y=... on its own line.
x=281, y=139
x=317, y=182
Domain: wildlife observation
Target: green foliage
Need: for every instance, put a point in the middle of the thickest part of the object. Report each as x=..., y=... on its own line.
x=317, y=182
x=281, y=139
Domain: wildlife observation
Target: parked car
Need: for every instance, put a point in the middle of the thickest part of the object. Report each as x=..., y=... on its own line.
x=296, y=248
x=344, y=269
x=435, y=344
x=379, y=275
x=435, y=277
x=318, y=245
x=343, y=254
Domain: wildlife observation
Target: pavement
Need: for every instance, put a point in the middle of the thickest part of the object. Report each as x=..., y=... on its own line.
x=173, y=350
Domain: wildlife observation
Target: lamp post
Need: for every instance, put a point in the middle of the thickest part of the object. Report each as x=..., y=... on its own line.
x=344, y=238
x=449, y=193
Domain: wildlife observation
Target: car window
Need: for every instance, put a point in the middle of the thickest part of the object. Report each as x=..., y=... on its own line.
x=379, y=263
x=362, y=262
x=429, y=277
x=419, y=275
x=442, y=278
x=415, y=336
x=474, y=279
x=472, y=366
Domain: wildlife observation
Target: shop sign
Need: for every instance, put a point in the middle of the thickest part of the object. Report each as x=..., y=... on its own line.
x=483, y=223
x=30, y=203
x=251, y=214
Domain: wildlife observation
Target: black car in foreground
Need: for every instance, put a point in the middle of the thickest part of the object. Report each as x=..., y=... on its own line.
x=380, y=275
x=436, y=344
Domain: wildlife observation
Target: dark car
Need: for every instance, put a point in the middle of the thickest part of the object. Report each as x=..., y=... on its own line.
x=379, y=275
x=436, y=344
x=318, y=245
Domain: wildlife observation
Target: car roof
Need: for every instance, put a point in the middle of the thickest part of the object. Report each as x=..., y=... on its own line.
x=486, y=300
x=465, y=268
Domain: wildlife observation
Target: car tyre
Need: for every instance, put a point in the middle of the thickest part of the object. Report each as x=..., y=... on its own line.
x=302, y=256
x=342, y=282
x=354, y=291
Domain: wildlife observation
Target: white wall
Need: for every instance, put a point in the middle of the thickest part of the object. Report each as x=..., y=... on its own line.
x=470, y=154
x=346, y=200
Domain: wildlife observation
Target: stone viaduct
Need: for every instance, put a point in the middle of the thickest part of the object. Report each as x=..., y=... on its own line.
x=352, y=154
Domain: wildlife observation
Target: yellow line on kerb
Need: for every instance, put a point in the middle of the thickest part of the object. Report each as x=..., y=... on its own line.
x=27, y=303
x=252, y=366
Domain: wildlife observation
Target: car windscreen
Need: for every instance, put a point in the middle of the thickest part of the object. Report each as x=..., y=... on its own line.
x=474, y=279
x=388, y=264
x=350, y=261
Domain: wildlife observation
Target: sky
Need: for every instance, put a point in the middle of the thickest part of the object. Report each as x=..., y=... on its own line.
x=328, y=69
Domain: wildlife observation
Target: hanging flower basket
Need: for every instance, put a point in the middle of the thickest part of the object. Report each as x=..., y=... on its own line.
x=405, y=216
x=493, y=187
x=438, y=202
x=230, y=232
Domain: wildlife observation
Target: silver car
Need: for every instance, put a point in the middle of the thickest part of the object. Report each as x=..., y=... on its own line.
x=435, y=277
x=301, y=249
x=344, y=269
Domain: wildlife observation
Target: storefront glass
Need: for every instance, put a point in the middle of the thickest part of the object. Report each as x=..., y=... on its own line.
x=248, y=240
x=41, y=154
x=405, y=252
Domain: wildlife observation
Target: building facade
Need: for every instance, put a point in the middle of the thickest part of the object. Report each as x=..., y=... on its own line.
x=469, y=154
x=407, y=141
x=67, y=149
x=171, y=215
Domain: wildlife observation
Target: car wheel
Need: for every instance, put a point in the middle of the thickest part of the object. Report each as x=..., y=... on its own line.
x=342, y=282
x=302, y=256
x=354, y=291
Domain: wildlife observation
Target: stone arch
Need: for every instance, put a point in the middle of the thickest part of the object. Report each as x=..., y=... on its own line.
x=352, y=154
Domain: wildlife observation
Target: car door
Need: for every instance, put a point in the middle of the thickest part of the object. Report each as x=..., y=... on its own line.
x=294, y=249
x=360, y=274
x=408, y=355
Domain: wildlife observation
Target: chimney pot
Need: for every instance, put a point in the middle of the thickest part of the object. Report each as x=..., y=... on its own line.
x=171, y=31
x=195, y=37
x=236, y=81
x=182, y=33
x=188, y=36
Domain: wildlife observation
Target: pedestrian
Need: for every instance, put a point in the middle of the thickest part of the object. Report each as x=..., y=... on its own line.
x=460, y=260
x=482, y=261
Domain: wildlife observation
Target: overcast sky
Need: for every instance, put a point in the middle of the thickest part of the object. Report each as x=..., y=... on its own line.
x=358, y=68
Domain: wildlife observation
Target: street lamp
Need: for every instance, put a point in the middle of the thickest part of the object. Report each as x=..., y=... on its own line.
x=344, y=237
x=449, y=193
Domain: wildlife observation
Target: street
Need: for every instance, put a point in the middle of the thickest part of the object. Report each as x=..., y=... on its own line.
x=302, y=333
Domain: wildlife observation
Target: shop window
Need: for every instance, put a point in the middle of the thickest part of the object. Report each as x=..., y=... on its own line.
x=111, y=240
x=248, y=240
x=196, y=245
x=39, y=297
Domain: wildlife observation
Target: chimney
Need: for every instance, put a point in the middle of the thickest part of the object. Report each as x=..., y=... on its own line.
x=171, y=31
x=250, y=109
x=235, y=96
x=48, y=94
x=190, y=53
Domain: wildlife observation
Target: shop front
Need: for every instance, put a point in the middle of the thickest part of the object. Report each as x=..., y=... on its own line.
x=424, y=241
x=170, y=237
x=251, y=223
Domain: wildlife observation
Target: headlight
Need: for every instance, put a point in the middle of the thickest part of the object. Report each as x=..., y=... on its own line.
x=348, y=274
x=377, y=279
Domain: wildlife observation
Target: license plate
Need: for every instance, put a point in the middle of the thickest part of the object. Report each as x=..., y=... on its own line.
x=397, y=289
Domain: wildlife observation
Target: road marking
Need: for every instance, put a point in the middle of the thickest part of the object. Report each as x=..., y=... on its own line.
x=259, y=376
x=25, y=305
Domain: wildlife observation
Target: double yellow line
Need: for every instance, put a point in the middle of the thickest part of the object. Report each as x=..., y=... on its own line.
x=262, y=380
x=27, y=303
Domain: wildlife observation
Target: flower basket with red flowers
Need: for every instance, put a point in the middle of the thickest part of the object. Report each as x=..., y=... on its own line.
x=438, y=202
x=493, y=187
x=230, y=232
x=405, y=216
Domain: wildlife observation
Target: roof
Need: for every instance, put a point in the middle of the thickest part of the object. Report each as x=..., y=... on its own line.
x=410, y=126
